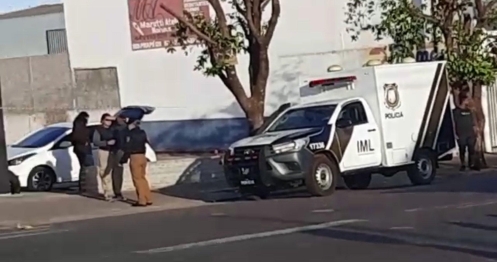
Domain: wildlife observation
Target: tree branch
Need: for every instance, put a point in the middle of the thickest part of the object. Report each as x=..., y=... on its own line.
x=490, y=5
x=221, y=17
x=264, y=4
x=273, y=21
x=232, y=82
x=480, y=8
x=188, y=24
x=416, y=12
x=247, y=14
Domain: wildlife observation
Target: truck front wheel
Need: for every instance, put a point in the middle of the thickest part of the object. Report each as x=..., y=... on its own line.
x=321, y=181
x=424, y=169
x=357, y=181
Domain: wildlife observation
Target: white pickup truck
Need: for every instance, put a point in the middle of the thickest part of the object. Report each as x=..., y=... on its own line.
x=379, y=119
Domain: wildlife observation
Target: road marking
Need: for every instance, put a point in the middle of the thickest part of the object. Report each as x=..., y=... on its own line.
x=20, y=234
x=218, y=214
x=413, y=210
x=249, y=236
x=323, y=211
x=477, y=204
x=401, y=228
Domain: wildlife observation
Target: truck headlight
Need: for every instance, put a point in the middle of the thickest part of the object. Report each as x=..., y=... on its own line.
x=295, y=145
x=19, y=160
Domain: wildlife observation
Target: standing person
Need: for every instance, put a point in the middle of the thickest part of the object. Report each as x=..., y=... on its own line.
x=103, y=138
x=134, y=149
x=80, y=139
x=119, y=132
x=465, y=131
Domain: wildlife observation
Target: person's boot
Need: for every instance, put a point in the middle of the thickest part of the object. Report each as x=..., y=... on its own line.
x=462, y=168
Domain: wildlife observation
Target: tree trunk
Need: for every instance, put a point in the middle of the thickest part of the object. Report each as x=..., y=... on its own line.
x=480, y=125
x=255, y=116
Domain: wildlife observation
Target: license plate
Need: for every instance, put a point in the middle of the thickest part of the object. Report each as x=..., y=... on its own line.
x=247, y=182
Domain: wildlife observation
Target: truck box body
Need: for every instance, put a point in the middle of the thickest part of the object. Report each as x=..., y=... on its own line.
x=409, y=103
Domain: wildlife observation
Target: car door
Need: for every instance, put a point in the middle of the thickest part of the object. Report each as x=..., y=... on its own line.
x=66, y=164
x=362, y=148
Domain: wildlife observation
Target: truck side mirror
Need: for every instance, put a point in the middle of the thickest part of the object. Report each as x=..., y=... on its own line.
x=343, y=123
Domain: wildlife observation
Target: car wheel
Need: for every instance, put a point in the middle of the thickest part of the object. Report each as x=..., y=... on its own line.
x=41, y=179
x=322, y=179
x=424, y=169
x=357, y=181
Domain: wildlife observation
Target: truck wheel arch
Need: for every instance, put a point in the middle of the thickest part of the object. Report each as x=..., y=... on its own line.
x=331, y=155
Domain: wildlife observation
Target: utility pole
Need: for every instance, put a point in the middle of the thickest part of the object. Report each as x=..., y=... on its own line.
x=4, y=167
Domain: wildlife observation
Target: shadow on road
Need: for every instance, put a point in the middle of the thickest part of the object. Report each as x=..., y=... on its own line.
x=474, y=226
x=418, y=241
x=474, y=183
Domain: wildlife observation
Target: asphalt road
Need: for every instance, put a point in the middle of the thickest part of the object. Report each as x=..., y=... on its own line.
x=452, y=220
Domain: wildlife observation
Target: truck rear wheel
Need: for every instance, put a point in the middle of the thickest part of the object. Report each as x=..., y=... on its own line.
x=357, y=181
x=424, y=169
x=321, y=181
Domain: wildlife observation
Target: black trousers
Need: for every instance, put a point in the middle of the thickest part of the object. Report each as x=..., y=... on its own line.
x=15, y=185
x=85, y=160
x=117, y=173
x=467, y=143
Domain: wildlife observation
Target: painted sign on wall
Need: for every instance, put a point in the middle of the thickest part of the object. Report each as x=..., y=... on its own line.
x=151, y=27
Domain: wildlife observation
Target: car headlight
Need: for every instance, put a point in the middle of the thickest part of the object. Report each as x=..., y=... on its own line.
x=295, y=145
x=18, y=160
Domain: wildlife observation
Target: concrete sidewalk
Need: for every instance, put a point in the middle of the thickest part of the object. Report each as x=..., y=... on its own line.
x=34, y=209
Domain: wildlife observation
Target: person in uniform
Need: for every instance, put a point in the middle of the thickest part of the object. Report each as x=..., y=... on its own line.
x=103, y=138
x=465, y=131
x=134, y=150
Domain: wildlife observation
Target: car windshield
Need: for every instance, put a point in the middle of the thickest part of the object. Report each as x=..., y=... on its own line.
x=308, y=117
x=42, y=137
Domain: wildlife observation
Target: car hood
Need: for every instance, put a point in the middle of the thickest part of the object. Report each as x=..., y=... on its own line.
x=273, y=137
x=15, y=152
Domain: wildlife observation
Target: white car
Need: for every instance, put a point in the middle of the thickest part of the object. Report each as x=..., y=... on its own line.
x=45, y=157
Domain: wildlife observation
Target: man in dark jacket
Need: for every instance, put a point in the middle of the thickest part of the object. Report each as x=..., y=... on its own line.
x=103, y=138
x=465, y=132
x=134, y=149
x=119, y=132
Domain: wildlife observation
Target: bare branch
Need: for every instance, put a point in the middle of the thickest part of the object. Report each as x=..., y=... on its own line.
x=188, y=24
x=490, y=5
x=247, y=14
x=231, y=80
x=264, y=4
x=221, y=17
x=480, y=8
x=416, y=12
x=273, y=21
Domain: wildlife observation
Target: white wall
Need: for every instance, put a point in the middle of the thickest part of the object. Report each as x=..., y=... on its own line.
x=306, y=41
x=26, y=36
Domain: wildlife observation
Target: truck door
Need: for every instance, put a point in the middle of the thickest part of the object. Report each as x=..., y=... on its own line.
x=359, y=137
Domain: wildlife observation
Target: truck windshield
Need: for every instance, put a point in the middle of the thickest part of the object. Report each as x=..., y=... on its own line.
x=308, y=117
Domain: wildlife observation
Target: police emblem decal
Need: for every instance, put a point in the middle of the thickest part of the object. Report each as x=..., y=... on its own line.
x=392, y=98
